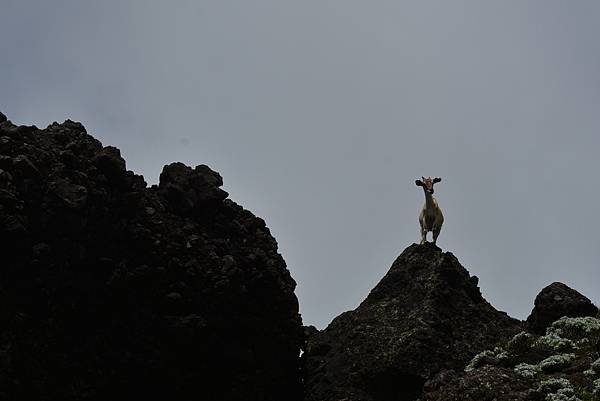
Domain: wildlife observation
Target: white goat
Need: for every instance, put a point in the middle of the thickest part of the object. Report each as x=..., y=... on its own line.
x=431, y=217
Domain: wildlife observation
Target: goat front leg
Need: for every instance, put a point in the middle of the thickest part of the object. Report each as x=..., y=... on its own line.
x=436, y=231
x=423, y=235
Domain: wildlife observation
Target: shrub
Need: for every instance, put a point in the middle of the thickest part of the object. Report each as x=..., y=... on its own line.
x=526, y=370
x=556, y=362
x=520, y=343
x=596, y=387
x=480, y=360
x=594, y=369
x=558, y=389
x=552, y=385
x=552, y=341
x=578, y=329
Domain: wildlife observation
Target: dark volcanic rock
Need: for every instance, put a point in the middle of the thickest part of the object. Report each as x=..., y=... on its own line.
x=188, y=190
x=486, y=384
x=555, y=301
x=111, y=290
x=109, y=161
x=425, y=315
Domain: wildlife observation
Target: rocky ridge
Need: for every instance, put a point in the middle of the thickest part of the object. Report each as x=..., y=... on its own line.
x=426, y=315
x=111, y=289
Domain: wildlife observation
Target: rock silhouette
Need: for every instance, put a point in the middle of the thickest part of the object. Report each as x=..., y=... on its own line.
x=112, y=290
x=427, y=314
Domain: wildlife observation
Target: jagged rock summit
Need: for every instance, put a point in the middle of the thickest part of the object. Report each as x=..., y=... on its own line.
x=427, y=314
x=111, y=290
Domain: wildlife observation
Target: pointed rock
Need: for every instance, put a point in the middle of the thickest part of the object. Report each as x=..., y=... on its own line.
x=425, y=315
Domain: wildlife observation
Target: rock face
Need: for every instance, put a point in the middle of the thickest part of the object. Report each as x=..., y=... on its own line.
x=425, y=315
x=112, y=290
x=555, y=301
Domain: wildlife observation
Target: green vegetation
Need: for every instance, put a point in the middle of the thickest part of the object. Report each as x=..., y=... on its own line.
x=562, y=365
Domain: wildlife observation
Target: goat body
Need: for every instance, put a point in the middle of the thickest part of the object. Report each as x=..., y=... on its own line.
x=431, y=217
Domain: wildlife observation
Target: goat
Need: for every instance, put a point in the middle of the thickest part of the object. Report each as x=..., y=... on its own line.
x=431, y=217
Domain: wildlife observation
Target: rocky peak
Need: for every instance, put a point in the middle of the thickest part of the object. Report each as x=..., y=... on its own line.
x=111, y=290
x=425, y=315
x=555, y=301
x=424, y=270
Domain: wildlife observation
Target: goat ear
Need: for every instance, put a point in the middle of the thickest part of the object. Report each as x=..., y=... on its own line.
x=419, y=183
x=437, y=179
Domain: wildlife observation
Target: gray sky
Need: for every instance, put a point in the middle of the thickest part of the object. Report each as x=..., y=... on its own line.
x=321, y=114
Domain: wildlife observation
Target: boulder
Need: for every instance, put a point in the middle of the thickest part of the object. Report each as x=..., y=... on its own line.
x=555, y=301
x=109, y=161
x=188, y=189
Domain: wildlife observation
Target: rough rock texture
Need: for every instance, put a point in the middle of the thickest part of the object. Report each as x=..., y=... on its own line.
x=111, y=290
x=555, y=301
x=425, y=315
x=486, y=384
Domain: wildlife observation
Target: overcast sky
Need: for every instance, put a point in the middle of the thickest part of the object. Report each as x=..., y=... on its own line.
x=320, y=115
